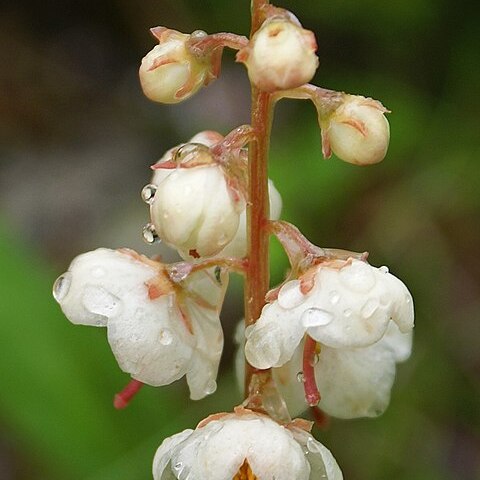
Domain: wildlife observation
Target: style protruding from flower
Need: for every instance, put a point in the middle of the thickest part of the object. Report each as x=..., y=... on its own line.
x=159, y=329
x=171, y=72
x=280, y=55
x=357, y=131
x=194, y=205
x=360, y=316
x=244, y=446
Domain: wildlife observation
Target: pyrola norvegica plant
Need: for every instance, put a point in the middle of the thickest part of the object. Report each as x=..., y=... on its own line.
x=339, y=321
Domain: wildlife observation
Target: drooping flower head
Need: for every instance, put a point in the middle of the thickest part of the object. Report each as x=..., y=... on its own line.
x=196, y=206
x=159, y=330
x=361, y=317
x=357, y=131
x=280, y=55
x=244, y=445
x=170, y=72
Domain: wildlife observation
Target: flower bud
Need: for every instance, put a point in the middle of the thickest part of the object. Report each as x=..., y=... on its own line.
x=170, y=73
x=194, y=209
x=357, y=131
x=158, y=330
x=280, y=55
x=237, y=245
x=244, y=445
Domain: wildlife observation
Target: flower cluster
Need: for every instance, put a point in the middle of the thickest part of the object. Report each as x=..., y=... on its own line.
x=336, y=324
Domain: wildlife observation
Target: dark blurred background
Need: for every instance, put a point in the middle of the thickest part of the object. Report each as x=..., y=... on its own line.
x=76, y=140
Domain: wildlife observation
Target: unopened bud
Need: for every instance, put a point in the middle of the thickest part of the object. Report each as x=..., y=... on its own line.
x=357, y=131
x=194, y=209
x=170, y=72
x=280, y=55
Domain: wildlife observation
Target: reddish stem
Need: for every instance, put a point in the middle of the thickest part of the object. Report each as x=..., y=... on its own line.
x=257, y=273
x=312, y=395
x=123, y=398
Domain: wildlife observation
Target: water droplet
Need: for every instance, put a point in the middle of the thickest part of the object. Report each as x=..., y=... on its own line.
x=210, y=387
x=148, y=193
x=383, y=269
x=358, y=277
x=300, y=377
x=98, y=272
x=408, y=298
x=334, y=297
x=97, y=300
x=316, y=359
x=62, y=286
x=178, y=467
x=198, y=34
x=134, y=338
x=190, y=152
x=290, y=295
x=165, y=337
x=347, y=313
x=316, y=317
x=149, y=233
x=313, y=445
x=369, y=307
x=222, y=240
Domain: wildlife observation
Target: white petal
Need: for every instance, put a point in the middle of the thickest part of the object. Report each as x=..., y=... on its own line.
x=274, y=337
x=164, y=453
x=193, y=210
x=238, y=246
x=359, y=300
x=270, y=450
x=204, y=312
x=355, y=382
x=97, y=285
x=322, y=462
x=151, y=341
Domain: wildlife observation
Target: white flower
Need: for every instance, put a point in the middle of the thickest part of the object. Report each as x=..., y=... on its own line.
x=170, y=73
x=158, y=330
x=194, y=211
x=357, y=131
x=362, y=318
x=244, y=445
x=280, y=55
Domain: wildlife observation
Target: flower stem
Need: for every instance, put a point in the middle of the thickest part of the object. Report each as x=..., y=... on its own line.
x=257, y=273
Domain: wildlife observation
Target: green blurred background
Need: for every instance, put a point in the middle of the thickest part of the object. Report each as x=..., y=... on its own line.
x=76, y=140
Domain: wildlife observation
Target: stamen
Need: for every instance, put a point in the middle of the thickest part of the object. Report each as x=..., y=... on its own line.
x=312, y=395
x=245, y=472
x=122, y=399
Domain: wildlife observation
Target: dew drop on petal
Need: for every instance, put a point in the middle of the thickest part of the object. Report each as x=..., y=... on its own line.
x=347, y=313
x=369, y=307
x=384, y=269
x=334, y=297
x=300, y=377
x=290, y=295
x=97, y=300
x=316, y=317
x=62, y=286
x=149, y=234
x=210, y=387
x=148, y=193
x=165, y=337
x=358, y=277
